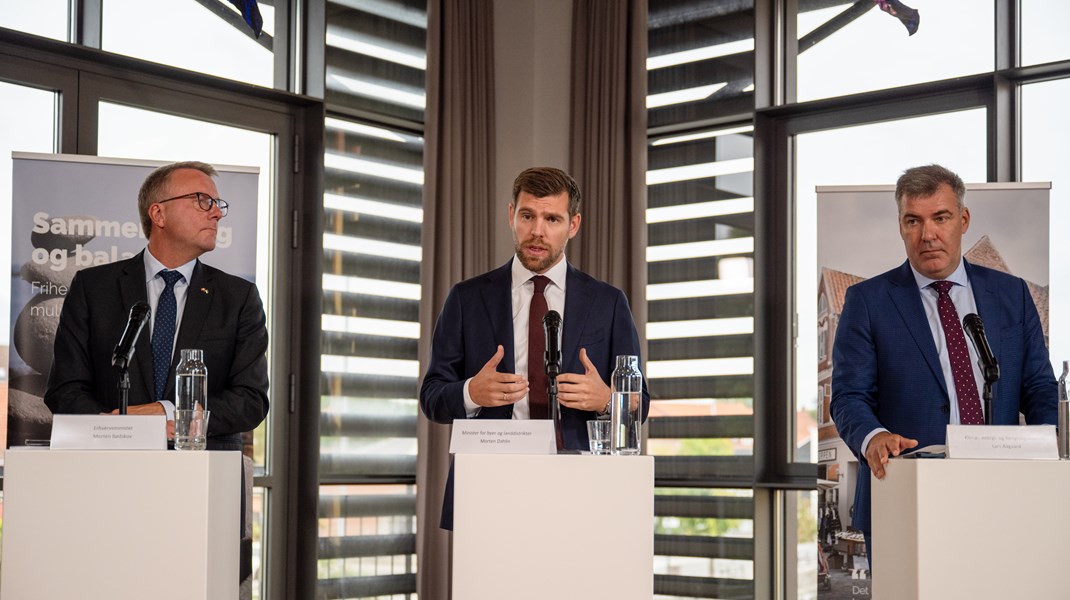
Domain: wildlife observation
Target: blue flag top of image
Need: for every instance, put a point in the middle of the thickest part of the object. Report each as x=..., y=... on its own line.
x=251, y=13
x=906, y=15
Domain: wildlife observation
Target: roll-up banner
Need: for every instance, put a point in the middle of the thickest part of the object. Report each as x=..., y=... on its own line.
x=72, y=212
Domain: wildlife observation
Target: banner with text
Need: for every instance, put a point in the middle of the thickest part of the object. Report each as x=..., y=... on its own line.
x=71, y=212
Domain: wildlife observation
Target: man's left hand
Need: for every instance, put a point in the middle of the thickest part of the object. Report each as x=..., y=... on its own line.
x=586, y=391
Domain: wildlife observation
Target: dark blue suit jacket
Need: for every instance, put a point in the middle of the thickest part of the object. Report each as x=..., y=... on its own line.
x=477, y=316
x=886, y=371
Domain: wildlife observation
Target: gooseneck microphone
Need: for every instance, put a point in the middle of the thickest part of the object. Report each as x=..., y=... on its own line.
x=975, y=328
x=551, y=325
x=124, y=350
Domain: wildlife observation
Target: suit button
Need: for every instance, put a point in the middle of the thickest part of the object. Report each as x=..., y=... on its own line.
x=946, y=409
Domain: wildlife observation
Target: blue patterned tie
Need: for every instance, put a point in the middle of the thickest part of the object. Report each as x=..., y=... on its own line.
x=163, y=330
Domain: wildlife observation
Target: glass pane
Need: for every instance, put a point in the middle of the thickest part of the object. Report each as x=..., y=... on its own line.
x=376, y=56
x=259, y=521
x=186, y=34
x=1044, y=36
x=956, y=140
x=367, y=541
x=805, y=547
x=121, y=135
x=371, y=283
x=1045, y=131
x=29, y=129
x=701, y=63
x=47, y=18
x=855, y=47
x=703, y=543
x=700, y=236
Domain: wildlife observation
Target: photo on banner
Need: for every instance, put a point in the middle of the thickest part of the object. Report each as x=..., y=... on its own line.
x=72, y=212
x=858, y=238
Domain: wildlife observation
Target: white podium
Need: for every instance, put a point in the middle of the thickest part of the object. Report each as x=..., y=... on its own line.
x=120, y=525
x=973, y=529
x=564, y=526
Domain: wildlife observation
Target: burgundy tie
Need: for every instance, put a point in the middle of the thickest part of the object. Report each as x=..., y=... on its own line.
x=538, y=402
x=965, y=384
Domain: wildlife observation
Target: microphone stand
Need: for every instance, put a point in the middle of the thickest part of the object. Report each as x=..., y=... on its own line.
x=991, y=374
x=124, y=389
x=555, y=408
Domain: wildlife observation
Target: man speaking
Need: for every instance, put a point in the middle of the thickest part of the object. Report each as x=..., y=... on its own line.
x=487, y=348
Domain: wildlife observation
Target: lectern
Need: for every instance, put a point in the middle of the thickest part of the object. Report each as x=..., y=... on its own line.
x=120, y=524
x=558, y=526
x=971, y=529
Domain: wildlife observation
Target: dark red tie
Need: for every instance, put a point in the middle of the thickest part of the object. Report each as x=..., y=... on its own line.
x=965, y=384
x=538, y=402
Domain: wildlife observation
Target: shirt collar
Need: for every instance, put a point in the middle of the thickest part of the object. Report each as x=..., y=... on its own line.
x=958, y=276
x=153, y=268
x=556, y=274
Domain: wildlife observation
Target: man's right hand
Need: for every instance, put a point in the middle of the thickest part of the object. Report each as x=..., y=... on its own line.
x=490, y=388
x=883, y=445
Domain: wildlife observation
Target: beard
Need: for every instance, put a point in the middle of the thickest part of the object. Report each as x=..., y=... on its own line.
x=538, y=264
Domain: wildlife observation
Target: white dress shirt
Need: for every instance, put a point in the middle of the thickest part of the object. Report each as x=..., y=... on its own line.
x=154, y=286
x=522, y=291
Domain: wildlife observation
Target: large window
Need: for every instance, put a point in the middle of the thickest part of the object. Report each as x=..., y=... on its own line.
x=700, y=228
x=855, y=47
x=30, y=129
x=889, y=101
x=178, y=32
x=46, y=18
x=113, y=107
x=122, y=134
x=1045, y=131
x=371, y=293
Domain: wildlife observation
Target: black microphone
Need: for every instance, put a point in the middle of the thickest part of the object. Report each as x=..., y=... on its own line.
x=139, y=315
x=551, y=324
x=975, y=328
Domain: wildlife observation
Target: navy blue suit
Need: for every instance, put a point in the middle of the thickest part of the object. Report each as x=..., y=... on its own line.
x=886, y=370
x=477, y=317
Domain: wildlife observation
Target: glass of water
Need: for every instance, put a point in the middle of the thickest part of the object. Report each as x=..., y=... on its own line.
x=598, y=434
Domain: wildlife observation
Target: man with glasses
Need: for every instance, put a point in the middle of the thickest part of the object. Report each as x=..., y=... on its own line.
x=193, y=306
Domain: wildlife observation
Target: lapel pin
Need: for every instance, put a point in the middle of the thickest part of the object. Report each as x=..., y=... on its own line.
x=205, y=290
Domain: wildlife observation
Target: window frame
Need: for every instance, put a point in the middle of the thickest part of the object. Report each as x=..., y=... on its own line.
x=86, y=77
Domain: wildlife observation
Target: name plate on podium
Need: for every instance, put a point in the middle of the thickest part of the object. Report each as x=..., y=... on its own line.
x=1017, y=442
x=109, y=432
x=503, y=436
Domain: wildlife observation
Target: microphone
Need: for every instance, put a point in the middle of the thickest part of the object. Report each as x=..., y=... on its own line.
x=975, y=328
x=551, y=324
x=139, y=315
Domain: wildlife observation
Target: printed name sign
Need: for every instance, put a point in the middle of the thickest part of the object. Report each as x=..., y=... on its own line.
x=1002, y=442
x=109, y=432
x=503, y=436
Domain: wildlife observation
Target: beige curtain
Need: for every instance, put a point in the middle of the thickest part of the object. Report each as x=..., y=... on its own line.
x=458, y=206
x=608, y=149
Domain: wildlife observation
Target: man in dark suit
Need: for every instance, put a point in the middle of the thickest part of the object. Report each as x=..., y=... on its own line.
x=481, y=359
x=895, y=384
x=219, y=313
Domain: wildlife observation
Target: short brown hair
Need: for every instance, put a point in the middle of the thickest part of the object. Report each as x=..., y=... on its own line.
x=922, y=182
x=548, y=181
x=155, y=186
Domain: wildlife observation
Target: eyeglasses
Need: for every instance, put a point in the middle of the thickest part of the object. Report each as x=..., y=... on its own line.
x=204, y=201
